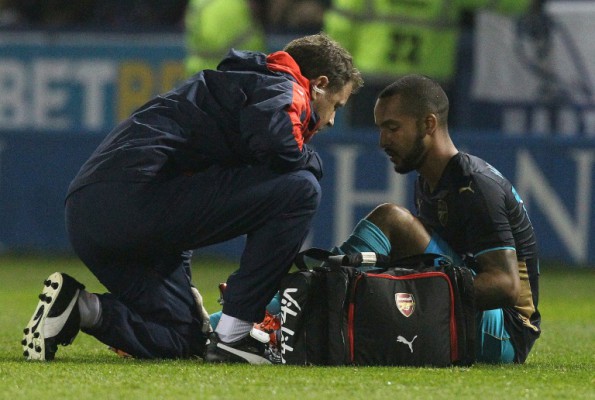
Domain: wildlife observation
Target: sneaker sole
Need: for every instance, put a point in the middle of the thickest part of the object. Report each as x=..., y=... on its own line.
x=34, y=338
x=249, y=357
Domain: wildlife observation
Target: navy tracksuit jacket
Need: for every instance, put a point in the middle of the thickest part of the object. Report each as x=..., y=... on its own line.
x=221, y=156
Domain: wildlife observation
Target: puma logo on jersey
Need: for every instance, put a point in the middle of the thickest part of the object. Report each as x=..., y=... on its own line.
x=466, y=188
x=401, y=339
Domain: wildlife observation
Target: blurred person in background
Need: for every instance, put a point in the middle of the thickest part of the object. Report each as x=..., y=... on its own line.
x=223, y=155
x=215, y=26
x=389, y=39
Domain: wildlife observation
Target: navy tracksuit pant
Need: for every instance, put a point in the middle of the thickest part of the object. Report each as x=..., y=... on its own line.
x=137, y=239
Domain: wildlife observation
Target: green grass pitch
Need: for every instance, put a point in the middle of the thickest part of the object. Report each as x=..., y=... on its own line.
x=561, y=366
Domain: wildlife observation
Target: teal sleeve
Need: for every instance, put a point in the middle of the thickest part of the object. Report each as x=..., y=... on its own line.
x=366, y=236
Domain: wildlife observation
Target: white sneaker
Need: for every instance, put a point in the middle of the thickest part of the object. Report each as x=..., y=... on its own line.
x=56, y=319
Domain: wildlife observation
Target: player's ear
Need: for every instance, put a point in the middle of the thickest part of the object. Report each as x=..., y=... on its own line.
x=318, y=84
x=430, y=123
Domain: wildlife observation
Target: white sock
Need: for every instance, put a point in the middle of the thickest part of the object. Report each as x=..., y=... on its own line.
x=231, y=329
x=90, y=309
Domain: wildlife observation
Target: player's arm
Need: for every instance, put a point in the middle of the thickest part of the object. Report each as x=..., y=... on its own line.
x=497, y=281
x=489, y=237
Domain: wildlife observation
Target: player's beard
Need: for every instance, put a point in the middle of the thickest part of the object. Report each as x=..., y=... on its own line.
x=415, y=157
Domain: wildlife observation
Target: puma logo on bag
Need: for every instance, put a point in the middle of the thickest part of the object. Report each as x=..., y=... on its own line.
x=401, y=339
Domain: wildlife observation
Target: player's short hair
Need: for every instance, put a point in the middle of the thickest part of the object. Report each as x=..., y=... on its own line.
x=319, y=55
x=420, y=96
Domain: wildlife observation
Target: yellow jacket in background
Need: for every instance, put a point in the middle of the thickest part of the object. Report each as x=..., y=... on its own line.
x=215, y=26
x=398, y=37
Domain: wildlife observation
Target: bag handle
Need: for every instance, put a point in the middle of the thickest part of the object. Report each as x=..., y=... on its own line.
x=368, y=258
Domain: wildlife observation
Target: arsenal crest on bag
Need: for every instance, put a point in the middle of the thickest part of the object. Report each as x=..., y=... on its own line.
x=416, y=312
